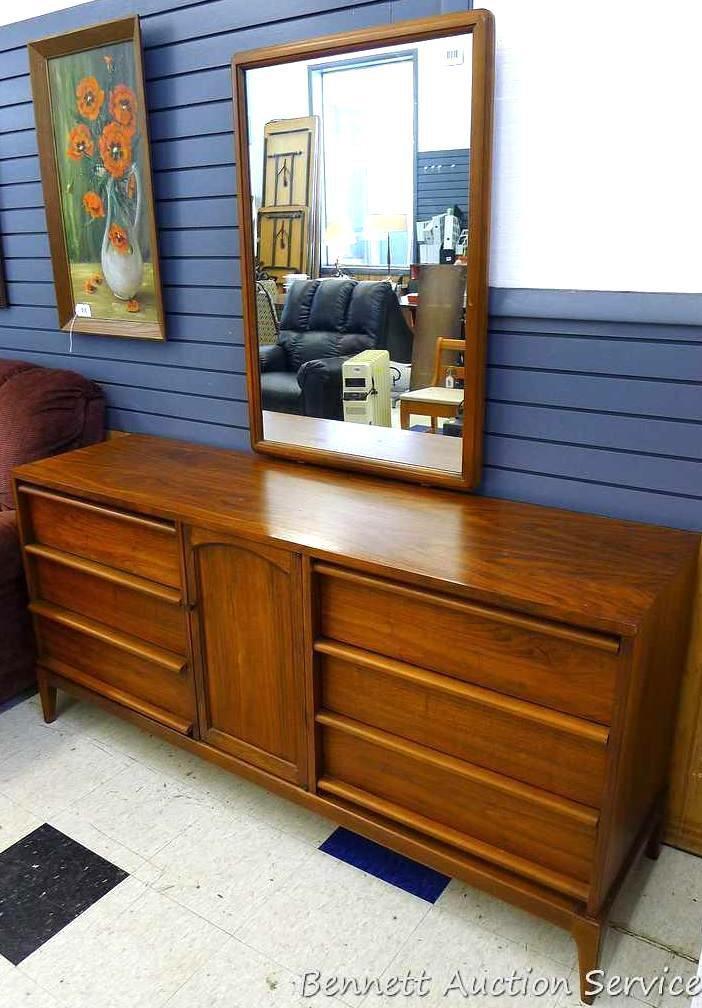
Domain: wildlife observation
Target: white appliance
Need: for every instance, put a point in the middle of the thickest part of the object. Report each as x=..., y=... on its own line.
x=438, y=237
x=366, y=388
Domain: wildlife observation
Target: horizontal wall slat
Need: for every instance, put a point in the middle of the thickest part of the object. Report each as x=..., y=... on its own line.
x=597, y=498
x=190, y=152
x=186, y=243
x=603, y=430
x=217, y=50
x=174, y=404
x=587, y=327
x=174, y=353
x=14, y=145
x=596, y=392
x=196, y=120
x=645, y=472
x=175, y=379
x=597, y=356
x=215, y=435
x=196, y=213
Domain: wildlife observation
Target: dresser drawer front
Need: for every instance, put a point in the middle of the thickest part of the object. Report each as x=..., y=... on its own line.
x=142, y=546
x=105, y=598
x=552, y=751
x=556, y=667
x=439, y=791
x=166, y=690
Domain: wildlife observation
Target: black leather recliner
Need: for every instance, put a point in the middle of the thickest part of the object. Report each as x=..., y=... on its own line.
x=324, y=323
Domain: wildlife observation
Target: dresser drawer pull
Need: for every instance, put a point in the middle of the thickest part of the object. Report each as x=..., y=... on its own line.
x=586, y=817
x=99, y=570
x=476, y=848
x=150, y=523
x=585, y=637
x=158, y=656
x=566, y=723
x=99, y=689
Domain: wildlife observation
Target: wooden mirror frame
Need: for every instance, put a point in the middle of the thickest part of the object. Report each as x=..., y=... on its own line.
x=480, y=25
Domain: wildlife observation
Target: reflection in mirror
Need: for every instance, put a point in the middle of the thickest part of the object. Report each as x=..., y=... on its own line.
x=359, y=168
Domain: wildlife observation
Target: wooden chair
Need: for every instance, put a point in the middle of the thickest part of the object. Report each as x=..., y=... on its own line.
x=436, y=400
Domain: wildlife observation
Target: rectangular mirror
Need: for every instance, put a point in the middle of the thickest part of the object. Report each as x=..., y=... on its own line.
x=364, y=172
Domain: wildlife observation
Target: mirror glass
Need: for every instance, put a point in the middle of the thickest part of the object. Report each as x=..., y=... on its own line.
x=359, y=173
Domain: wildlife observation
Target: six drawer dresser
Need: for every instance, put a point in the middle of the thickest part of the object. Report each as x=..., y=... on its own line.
x=486, y=686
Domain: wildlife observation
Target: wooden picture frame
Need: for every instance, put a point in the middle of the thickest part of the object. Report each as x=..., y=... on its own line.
x=92, y=135
x=310, y=440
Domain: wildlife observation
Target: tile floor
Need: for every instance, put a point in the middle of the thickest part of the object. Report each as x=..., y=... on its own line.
x=217, y=895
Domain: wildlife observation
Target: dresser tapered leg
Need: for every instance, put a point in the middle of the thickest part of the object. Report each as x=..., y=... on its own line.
x=588, y=937
x=655, y=841
x=47, y=695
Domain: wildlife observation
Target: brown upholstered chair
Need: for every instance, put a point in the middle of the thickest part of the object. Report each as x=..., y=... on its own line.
x=42, y=412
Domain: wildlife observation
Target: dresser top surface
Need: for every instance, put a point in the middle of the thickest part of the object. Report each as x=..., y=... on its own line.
x=582, y=569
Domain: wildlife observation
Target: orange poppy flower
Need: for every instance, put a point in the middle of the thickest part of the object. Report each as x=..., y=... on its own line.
x=89, y=98
x=123, y=107
x=93, y=205
x=89, y=286
x=133, y=305
x=115, y=149
x=97, y=279
x=80, y=143
x=118, y=239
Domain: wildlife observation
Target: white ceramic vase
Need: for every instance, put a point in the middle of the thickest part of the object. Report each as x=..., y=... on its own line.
x=123, y=270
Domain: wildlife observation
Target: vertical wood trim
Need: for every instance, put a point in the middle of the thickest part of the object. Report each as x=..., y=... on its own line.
x=479, y=202
x=684, y=817
x=313, y=732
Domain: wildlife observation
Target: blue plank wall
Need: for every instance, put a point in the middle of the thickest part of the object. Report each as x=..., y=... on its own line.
x=593, y=404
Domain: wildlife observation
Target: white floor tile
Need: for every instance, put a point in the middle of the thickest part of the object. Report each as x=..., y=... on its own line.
x=334, y=918
x=224, y=867
x=289, y=817
x=15, y=822
x=86, y=834
x=626, y=956
x=47, y=779
x=508, y=922
x=18, y=991
x=662, y=900
x=456, y=957
x=240, y=977
x=687, y=971
x=117, y=956
x=141, y=809
x=22, y=726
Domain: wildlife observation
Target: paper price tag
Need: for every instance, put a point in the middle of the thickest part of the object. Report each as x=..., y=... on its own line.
x=83, y=311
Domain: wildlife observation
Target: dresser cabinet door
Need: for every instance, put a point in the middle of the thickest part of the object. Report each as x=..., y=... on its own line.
x=247, y=623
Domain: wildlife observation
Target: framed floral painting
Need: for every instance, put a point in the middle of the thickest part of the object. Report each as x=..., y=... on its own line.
x=93, y=144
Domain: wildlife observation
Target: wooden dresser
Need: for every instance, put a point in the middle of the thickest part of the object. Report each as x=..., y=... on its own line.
x=488, y=687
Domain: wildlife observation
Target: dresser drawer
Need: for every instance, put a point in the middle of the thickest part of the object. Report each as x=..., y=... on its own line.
x=548, y=663
x=553, y=751
x=147, y=679
x=143, y=546
x=524, y=830
x=123, y=601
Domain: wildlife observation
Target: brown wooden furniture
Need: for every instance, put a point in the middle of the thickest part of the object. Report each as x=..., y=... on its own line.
x=436, y=400
x=684, y=825
x=480, y=25
x=486, y=686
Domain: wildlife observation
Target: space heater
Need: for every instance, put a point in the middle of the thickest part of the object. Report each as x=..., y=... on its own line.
x=366, y=388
